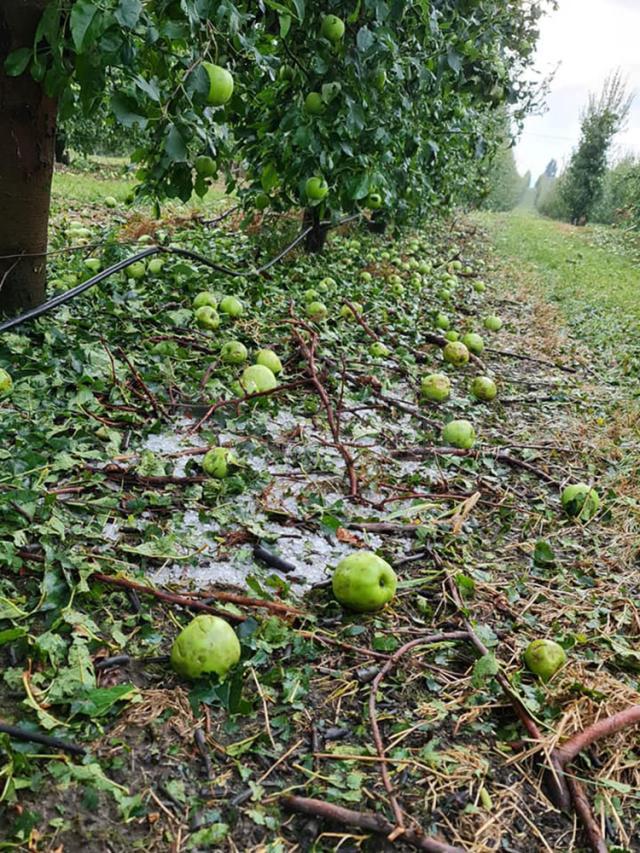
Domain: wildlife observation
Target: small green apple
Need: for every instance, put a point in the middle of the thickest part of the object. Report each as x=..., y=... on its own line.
x=92, y=264
x=313, y=104
x=268, y=358
x=260, y=376
x=451, y=335
x=205, y=166
x=234, y=352
x=347, y=314
x=364, y=582
x=460, y=434
x=435, y=387
x=473, y=342
x=261, y=201
x=216, y=462
x=207, y=317
x=137, y=270
x=110, y=201
x=207, y=645
x=456, y=353
x=374, y=201
x=479, y=286
x=366, y=276
x=332, y=28
x=6, y=383
x=155, y=265
x=398, y=289
x=220, y=84
x=205, y=298
x=325, y=284
x=310, y=295
x=379, y=350
x=484, y=388
x=544, y=658
x=380, y=79
x=443, y=322
x=455, y=265
x=493, y=323
x=316, y=188
x=317, y=311
x=580, y=501
x=231, y=306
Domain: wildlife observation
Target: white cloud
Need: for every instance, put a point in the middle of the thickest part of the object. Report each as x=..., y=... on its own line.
x=585, y=40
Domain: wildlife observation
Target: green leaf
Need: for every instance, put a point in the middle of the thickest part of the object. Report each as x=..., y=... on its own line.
x=128, y=12
x=98, y=701
x=174, y=145
x=285, y=25
x=127, y=111
x=82, y=14
x=16, y=63
x=543, y=555
x=11, y=634
x=484, y=667
x=364, y=39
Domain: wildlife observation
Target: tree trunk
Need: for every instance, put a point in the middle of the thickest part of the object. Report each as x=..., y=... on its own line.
x=27, y=142
x=377, y=224
x=316, y=238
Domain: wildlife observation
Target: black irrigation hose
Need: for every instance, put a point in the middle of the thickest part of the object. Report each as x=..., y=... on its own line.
x=68, y=295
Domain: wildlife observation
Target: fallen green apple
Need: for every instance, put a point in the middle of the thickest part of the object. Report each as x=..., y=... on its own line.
x=234, y=352
x=137, y=270
x=366, y=276
x=460, y=434
x=451, y=335
x=317, y=311
x=364, y=582
x=208, y=644
x=92, y=264
x=216, y=462
x=310, y=295
x=456, y=353
x=6, y=382
x=110, y=201
x=544, y=658
x=220, y=84
x=155, y=265
x=580, y=501
x=347, y=314
x=316, y=188
x=379, y=350
x=380, y=79
x=207, y=317
x=268, y=358
x=435, y=387
x=205, y=298
x=473, y=342
x=484, y=388
x=325, y=284
x=260, y=376
x=479, y=286
x=332, y=28
x=231, y=306
x=493, y=323
x=443, y=322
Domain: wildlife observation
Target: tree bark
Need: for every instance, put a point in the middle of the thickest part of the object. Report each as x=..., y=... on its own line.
x=27, y=146
x=317, y=237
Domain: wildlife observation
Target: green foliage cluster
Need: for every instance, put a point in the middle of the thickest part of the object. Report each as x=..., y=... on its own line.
x=506, y=186
x=619, y=203
x=406, y=98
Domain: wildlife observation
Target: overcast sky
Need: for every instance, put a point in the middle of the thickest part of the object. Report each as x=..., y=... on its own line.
x=588, y=39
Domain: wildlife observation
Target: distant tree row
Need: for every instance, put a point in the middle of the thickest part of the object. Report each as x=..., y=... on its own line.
x=589, y=189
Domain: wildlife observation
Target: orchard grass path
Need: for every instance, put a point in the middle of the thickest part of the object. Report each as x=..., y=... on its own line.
x=173, y=766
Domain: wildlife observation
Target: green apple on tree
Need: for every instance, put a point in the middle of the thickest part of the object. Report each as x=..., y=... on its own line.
x=364, y=582
x=268, y=358
x=332, y=28
x=207, y=317
x=544, y=658
x=580, y=501
x=260, y=377
x=473, y=342
x=316, y=188
x=374, y=201
x=6, y=382
x=231, y=306
x=484, y=388
x=205, y=298
x=220, y=84
x=435, y=387
x=313, y=104
x=234, y=352
x=207, y=645
x=456, y=353
x=261, y=201
x=460, y=434
x=205, y=166
x=380, y=79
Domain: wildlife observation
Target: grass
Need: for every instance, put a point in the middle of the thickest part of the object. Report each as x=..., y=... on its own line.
x=592, y=274
x=91, y=180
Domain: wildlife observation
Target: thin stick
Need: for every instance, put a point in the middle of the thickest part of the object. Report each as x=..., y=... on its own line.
x=602, y=728
x=157, y=407
x=368, y=821
x=35, y=737
x=583, y=810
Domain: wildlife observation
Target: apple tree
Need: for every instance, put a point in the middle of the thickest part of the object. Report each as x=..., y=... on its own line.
x=383, y=102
